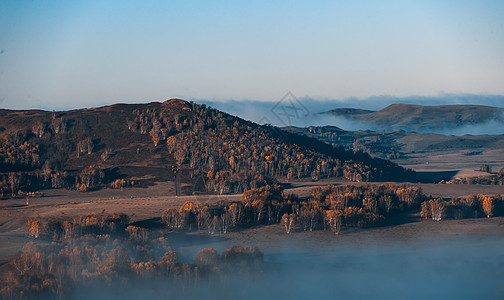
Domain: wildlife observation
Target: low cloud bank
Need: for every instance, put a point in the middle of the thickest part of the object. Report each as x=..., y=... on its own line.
x=306, y=112
x=453, y=268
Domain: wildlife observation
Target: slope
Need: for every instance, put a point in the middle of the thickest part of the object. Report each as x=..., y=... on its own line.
x=179, y=141
x=420, y=118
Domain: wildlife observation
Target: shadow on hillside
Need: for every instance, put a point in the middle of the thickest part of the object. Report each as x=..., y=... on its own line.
x=152, y=223
x=401, y=219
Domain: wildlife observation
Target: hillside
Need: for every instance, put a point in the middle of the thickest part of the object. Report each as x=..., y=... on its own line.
x=202, y=149
x=420, y=118
x=419, y=151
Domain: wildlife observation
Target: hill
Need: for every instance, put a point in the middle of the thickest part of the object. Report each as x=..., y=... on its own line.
x=419, y=151
x=198, y=147
x=420, y=118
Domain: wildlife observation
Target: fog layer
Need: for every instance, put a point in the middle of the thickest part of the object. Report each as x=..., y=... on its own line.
x=453, y=268
x=304, y=112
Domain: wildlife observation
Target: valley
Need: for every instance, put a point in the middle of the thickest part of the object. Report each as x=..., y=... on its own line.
x=184, y=184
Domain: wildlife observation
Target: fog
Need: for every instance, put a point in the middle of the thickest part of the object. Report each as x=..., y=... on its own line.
x=452, y=268
x=304, y=112
x=458, y=269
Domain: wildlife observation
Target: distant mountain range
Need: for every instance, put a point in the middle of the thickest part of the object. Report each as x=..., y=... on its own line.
x=400, y=144
x=420, y=118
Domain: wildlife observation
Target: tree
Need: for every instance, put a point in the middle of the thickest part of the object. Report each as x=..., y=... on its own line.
x=425, y=211
x=289, y=220
x=387, y=202
x=203, y=217
x=171, y=218
x=85, y=146
x=29, y=259
x=438, y=207
x=137, y=234
x=370, y=204
x=156, y=136
x=58, y=125
x=118, y=184
x=207, y=257
x=14, y=182
x=39, y=129
x=188, y=213
x=214, y=225
x=488, y=206
x=485, y=168
x=33, y=227
x=106, y=154
x=333, y=220
x=235, y=212
x=259, y=206
x=409, y=195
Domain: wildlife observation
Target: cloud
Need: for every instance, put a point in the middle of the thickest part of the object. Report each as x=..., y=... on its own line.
x=264, y=112
x=461, y=267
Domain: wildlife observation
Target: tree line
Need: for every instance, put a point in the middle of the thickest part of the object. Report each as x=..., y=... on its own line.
x=327, y=208
x=473, y=206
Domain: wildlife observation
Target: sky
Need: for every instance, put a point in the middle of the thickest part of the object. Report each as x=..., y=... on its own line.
x=74, y=54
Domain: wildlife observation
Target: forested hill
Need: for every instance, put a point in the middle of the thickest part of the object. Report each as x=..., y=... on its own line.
x=122, y=143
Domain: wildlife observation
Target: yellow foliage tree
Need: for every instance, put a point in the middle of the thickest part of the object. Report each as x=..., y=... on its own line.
x=488, y=206
x=33, y=226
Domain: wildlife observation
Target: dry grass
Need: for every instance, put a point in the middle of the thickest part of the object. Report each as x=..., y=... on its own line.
x=147, y=203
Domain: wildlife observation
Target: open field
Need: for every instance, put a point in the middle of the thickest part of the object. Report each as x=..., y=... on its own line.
x=148, y=204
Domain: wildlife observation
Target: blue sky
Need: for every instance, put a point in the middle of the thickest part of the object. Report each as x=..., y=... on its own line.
x=72, y=54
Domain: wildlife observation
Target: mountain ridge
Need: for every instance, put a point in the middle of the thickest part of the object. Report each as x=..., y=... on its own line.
x=412, y=117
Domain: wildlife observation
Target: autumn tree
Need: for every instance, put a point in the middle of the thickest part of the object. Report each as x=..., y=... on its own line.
x=85, y=146
x=333, y=220
x=58, y=125
x=39, y=129
x=289, y=220
x=119, y=184
x=137, y=234
x=409, y=195
x=438, y=208
x=14, y=180
x=207, y=257
x=204, y=217
x=172, y=219
x=188, y=214
x=235, y=212
x=33, y=227
x=425, y=211
x=91, y=176
x=29, y=260
x=488, y=206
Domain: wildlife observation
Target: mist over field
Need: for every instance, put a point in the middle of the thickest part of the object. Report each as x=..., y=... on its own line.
x=461, y=267
x=429, y=269
x=168, y=150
